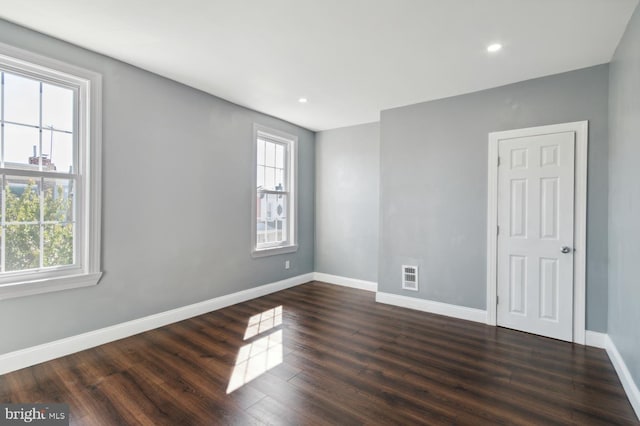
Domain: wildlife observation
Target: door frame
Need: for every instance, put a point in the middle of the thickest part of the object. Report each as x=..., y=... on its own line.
x=581, y=129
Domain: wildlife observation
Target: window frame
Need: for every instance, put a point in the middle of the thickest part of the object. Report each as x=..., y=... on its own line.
x=88, y=143
x=291, y=142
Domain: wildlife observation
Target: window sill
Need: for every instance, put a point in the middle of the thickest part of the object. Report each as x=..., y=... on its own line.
x=272, y=251
x=48, y=285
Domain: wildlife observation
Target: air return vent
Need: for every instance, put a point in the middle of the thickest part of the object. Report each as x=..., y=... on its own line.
x=409, y=277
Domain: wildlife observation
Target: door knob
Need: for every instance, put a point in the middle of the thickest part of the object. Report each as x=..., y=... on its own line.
x=566, y=249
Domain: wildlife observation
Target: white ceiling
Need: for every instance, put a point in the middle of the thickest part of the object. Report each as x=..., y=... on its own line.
x=350, y=58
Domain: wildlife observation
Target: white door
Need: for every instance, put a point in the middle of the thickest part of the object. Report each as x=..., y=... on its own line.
x=535, y=234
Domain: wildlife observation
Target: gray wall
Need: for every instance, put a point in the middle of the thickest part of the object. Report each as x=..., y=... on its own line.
x=433, y=185
x=176, y=203
x=347, y=201
x=624, y=198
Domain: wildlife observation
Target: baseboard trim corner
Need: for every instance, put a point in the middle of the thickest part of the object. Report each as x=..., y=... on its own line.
x=595, y=339
x=630, y=387
x=27, y=357
x=345, y=282
x=454, y=311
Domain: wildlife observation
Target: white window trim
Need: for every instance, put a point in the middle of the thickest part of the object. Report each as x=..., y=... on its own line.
x=292, y=245
x=87, y=271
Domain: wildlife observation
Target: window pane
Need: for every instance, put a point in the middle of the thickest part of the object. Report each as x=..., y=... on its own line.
x=260, y=152
x=261, y=217
x=260, y=177
x=57, y=107
x=58, y=200
x=21, y=100
x=21, y=146
x=270, y=154
x=280, y=206
x=271, y=218
x=280, y=236
x=58, y=245
x=269, y=178
x=279, y=156
x=22, y=199
x=57, y=151
x=279, y=217
x=22, y=247
x=280, y=180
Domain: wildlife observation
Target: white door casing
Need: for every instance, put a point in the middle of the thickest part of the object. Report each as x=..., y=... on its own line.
x=538, y=197
x=535, y=219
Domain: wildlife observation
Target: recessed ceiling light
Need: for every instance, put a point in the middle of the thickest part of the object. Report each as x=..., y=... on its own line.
x=494, y=47
x=302, y=100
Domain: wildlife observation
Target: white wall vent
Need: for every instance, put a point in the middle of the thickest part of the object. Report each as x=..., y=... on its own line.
x=409, y=277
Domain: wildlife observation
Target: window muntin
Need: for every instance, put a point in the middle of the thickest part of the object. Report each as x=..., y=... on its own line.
x=274, y=208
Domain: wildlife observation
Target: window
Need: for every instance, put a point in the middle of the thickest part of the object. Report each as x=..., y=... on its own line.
x=49, y=175
x=274, y=201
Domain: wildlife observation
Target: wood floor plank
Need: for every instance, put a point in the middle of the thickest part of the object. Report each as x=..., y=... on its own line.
x=336, y=357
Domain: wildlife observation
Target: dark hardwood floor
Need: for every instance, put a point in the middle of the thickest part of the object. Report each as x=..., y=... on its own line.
x=323, y=354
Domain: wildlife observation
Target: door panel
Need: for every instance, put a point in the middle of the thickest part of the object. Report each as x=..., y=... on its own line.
x=518, y=285
x=518, y=208
x=549, y=209
x=536, y=211
x=549, y=289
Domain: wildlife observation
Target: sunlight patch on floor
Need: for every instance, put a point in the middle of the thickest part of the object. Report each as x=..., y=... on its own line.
x=262, y=354
x=263, y=322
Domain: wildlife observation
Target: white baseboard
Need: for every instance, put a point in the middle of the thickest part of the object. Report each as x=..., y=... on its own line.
x=45, y=352
x=345, y=282
x=595, y=339
x=460, y=312
x=630, y=387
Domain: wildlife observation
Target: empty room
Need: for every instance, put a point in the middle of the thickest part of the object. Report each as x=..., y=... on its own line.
x=296, y=212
